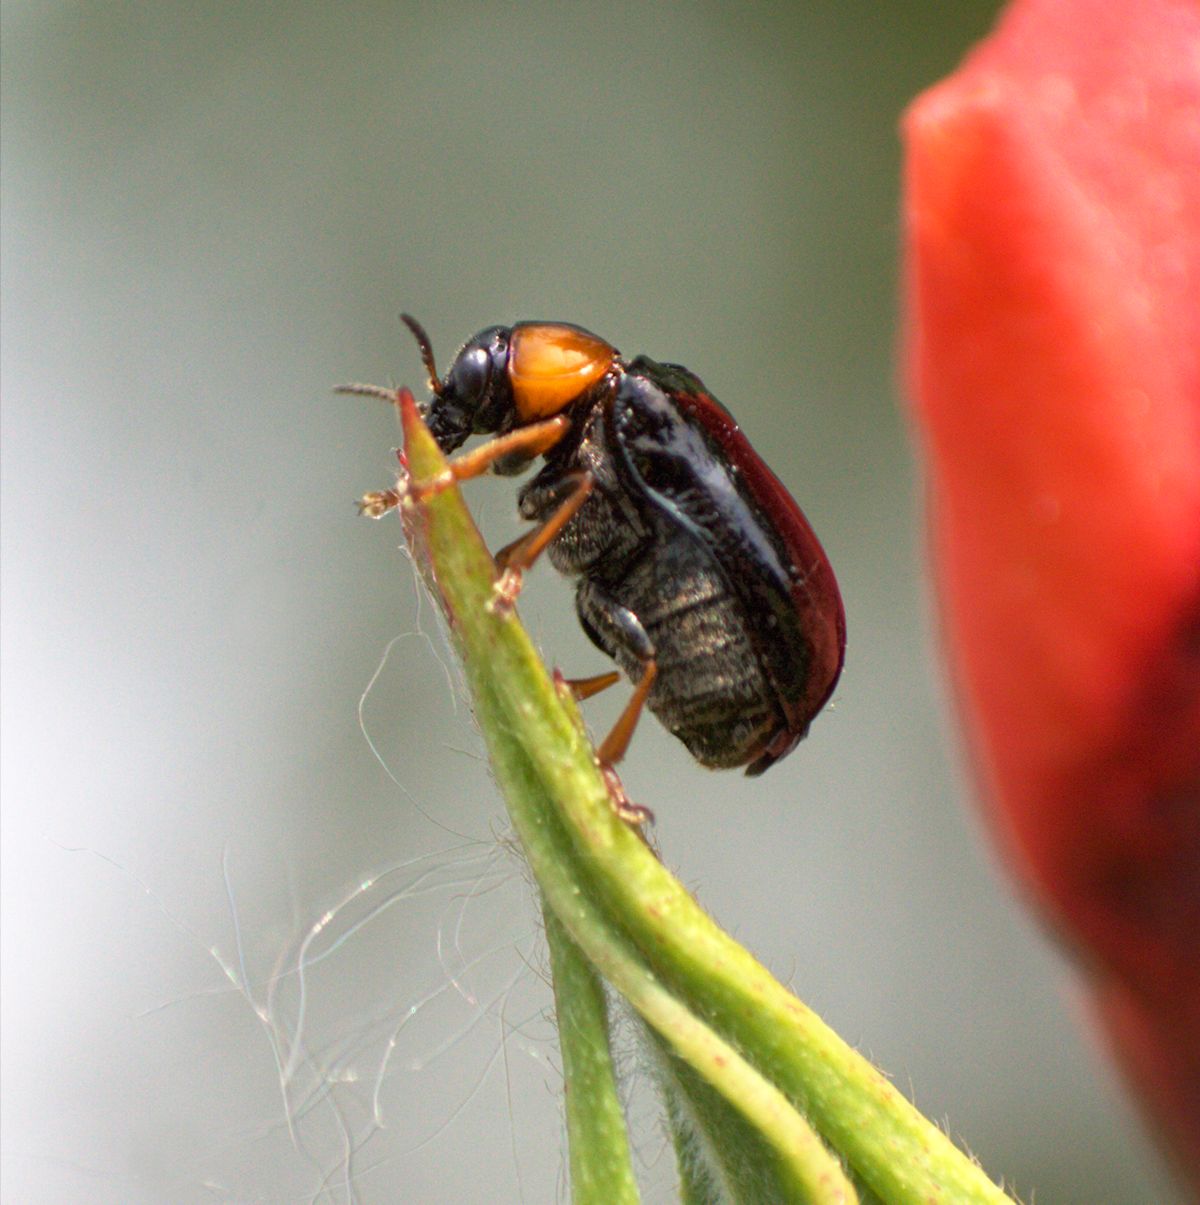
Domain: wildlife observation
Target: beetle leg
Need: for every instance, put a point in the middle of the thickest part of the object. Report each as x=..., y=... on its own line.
x=585, y=688
x=614, y=746
x=635, y=814
x=617, y=631
x=515, y=558
x=522, y=552
x=530, y=441
x=377, y=504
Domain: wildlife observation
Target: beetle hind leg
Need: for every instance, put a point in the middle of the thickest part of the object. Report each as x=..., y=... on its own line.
x=614, y=746
x=634, y=814
x=585, y=688
x=617, y=631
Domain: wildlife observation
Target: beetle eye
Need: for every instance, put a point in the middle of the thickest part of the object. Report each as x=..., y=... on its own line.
x=469, y=376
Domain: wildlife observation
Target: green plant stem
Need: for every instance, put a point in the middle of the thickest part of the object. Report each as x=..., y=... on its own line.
x=718, y=1009
x=714, y=1145
x=530, y=725
x=808, y=1171
x=601, y=1167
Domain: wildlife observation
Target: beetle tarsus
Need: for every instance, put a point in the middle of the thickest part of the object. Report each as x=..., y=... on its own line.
x=505, y=591
x=378, y=503
x=421, y=491
x=634, y=814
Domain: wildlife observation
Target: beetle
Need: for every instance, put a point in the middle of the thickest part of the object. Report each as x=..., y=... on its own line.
x=696, y=571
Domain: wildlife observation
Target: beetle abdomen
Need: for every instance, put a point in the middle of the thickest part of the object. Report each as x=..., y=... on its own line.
x=710, y=690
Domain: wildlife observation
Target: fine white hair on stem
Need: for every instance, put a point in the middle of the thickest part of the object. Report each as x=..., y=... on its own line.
x=338, y=1075
x=303, y=961
x=362, y=720
x=477, y=890
x=476, y=1085
x=471, y=872
x=442, y=1048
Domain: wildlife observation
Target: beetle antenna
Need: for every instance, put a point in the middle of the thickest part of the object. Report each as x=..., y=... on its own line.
x=382, y=392
x=426, y=350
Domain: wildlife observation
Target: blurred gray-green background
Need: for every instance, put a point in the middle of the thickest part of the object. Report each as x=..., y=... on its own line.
x=211, y=215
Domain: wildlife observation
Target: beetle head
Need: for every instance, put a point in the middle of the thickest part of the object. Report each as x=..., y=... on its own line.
x=508, y=377
x=474, y=395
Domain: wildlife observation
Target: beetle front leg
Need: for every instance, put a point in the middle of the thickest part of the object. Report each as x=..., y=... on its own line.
x=529, y=441
x=525, y=442
x=378, y=503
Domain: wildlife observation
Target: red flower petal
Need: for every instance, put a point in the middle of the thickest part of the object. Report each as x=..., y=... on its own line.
x=1053, y=243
